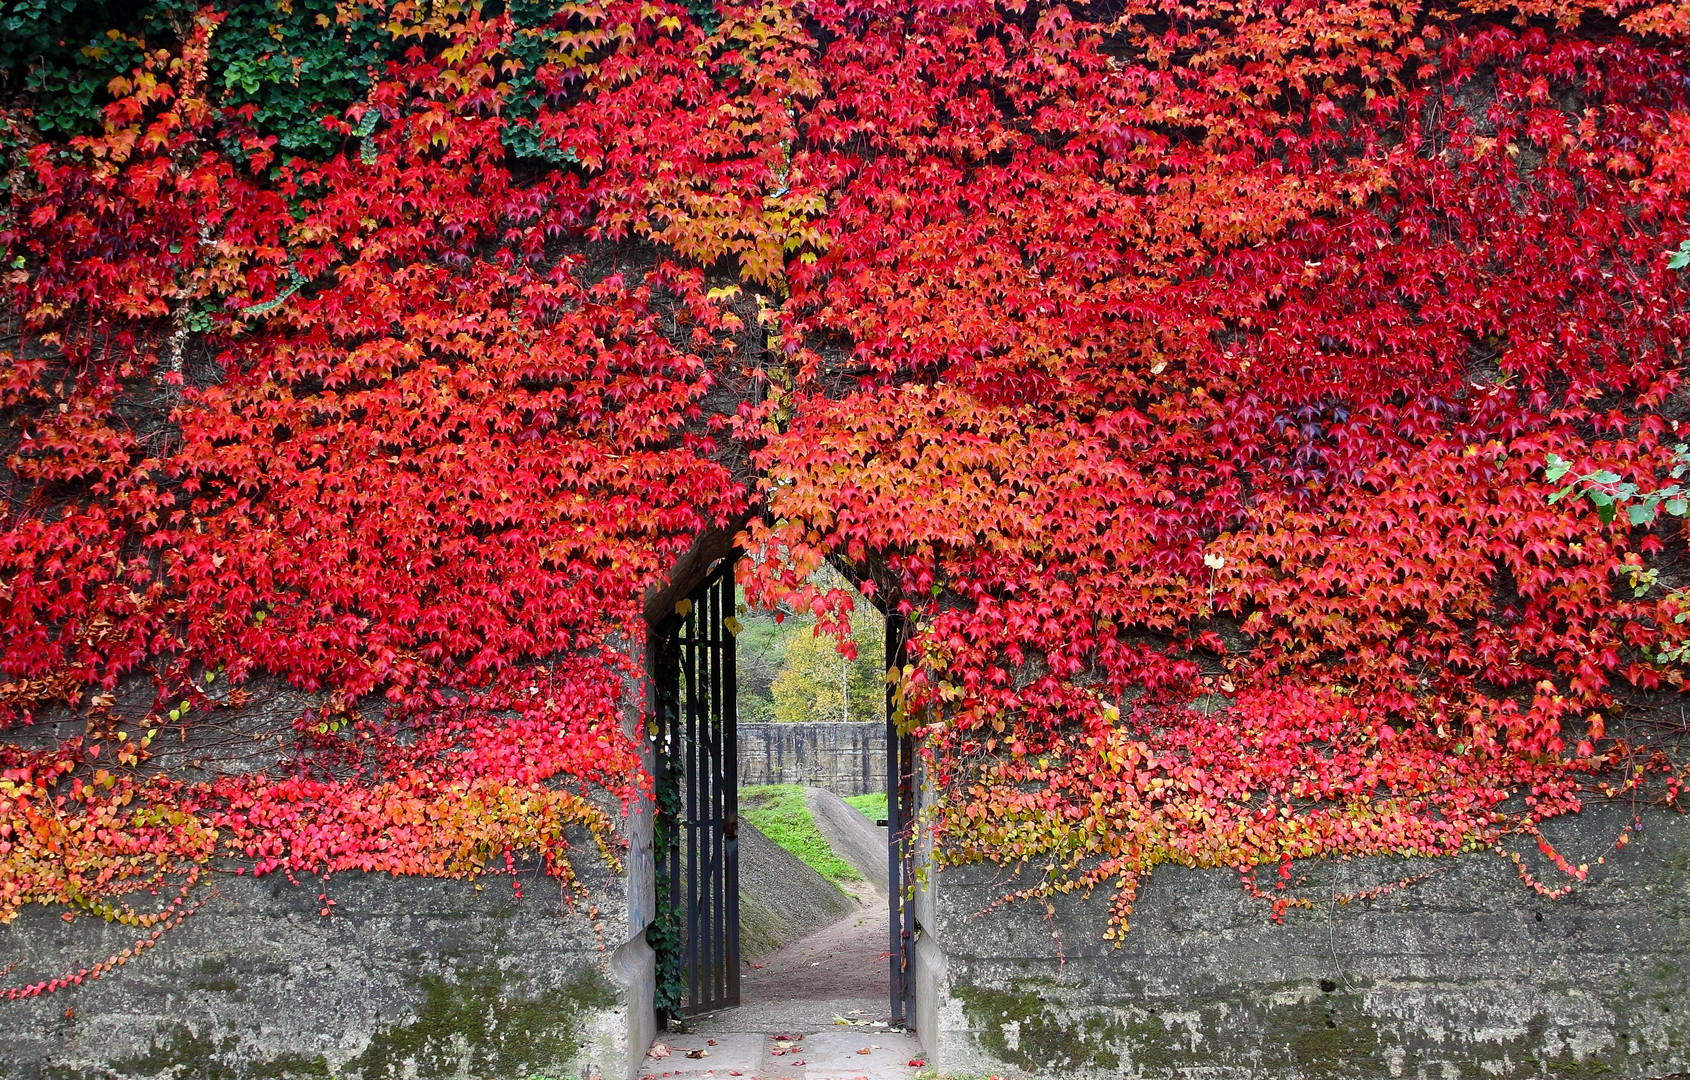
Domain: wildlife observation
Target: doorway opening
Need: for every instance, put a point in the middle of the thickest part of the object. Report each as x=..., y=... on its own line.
x=717, y=666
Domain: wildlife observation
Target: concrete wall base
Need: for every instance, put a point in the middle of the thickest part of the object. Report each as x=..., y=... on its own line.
x=1467, y=974
x=408, y=977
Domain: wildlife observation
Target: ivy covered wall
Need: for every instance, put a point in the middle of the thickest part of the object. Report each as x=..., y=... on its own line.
x=1191, y=375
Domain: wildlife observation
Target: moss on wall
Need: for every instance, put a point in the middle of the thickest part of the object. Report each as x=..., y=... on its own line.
x=1294, y=1032
x=475, y=1025
x=183, y=1054
x=1464, y=973
x=1020, y=1026
x=472, y=1025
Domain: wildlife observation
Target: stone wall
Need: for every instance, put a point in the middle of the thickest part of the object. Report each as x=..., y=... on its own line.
x=846, y=759
x=1466, y=974
x=408, y=977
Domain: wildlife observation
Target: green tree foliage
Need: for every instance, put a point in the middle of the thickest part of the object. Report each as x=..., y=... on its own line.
x=815, y=680
x=761, y=653
x=789, y=674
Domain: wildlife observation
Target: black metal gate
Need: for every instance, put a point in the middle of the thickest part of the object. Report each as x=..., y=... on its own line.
x=698, y=777
x=900, y=835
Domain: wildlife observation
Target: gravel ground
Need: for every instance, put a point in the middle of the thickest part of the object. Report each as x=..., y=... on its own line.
x=851, y=835
x=838, y=971
x=781, y=900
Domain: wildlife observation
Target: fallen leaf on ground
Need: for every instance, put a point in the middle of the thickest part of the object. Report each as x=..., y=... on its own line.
x=699, y=1053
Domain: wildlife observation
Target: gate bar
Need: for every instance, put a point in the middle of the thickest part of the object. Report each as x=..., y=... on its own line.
x=900, y=837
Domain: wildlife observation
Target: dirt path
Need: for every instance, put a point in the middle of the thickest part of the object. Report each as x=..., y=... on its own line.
x=803, y=990
x=838, y=971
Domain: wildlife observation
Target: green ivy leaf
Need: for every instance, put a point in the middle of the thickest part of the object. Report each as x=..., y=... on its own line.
x=1604, y=503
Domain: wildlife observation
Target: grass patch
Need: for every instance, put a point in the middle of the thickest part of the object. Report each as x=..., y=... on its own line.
x=778, y=812
x=873, y=805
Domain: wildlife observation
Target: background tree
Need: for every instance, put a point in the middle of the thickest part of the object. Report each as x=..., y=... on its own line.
x=815, y=679
x=791, y=673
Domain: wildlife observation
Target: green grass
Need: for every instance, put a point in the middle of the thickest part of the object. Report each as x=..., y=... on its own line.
x=872, y=805
x=779, y=813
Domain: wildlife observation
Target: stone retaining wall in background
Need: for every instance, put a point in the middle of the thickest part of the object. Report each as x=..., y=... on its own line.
x=846, y=759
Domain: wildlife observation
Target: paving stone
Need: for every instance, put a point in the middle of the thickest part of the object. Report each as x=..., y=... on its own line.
x=726, y=1055
x=833, y=1054
x=838, y=1054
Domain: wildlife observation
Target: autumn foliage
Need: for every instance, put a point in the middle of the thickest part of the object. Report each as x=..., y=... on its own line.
x=1185, y=371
